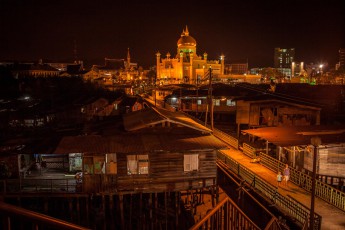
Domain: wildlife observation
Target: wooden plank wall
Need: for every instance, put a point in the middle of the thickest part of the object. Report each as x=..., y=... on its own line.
x=166, y=173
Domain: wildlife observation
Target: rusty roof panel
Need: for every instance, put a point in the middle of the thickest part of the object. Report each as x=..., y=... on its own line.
x=136, y=143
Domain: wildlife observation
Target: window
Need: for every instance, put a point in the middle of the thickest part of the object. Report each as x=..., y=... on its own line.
x=75, y=162
x=143, y=164
x=111, y=163
x=199, y=102
x=98, y=164
x=137, y=164
x=230, y=102
x=216, y=102
x=191, y=162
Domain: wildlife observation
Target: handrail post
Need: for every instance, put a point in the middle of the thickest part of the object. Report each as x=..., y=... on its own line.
x=315, y=142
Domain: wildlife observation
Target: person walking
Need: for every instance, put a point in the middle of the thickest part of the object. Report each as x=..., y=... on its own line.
x=286, y=174
x=279, y=178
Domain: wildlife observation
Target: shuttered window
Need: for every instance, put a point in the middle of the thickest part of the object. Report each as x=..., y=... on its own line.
x=191, y=162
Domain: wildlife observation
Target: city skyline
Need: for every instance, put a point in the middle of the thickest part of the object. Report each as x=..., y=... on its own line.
x=239, y=30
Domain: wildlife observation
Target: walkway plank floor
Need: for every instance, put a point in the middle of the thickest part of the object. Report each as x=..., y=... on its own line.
x=332, y=217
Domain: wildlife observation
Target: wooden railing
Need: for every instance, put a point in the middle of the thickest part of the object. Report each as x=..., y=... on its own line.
x=221, y=218
x=226, y=215
x=13, y=217
x=37, y=185
x=294, y=208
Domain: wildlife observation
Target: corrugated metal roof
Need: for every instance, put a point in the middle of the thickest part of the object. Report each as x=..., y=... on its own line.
x=141, y=119
x=151, y=116
x=299, y=135
x=137, y=143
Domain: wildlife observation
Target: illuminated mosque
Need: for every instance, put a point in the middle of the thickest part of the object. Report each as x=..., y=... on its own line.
x=187, y=66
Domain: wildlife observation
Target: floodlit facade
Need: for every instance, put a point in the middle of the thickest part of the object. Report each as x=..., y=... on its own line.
x=187, y=66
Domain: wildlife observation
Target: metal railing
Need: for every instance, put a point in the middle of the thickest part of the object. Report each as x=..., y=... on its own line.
x=322, y=190
x=292, y=208
x=249, y=150
x=13, y=217
x=232, y=141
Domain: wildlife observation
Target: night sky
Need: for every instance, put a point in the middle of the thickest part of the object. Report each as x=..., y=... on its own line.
x=240, y=30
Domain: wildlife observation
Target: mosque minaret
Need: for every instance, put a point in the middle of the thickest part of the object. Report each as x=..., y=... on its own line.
x=187, y=66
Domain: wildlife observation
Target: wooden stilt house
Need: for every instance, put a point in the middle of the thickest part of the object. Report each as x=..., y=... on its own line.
x=159, y=151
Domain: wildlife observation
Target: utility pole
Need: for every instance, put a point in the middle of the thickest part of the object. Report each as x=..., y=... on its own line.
x=210, y=97
x=180, y=104
x=155, y=89
x=197, y=95
x=315, y=141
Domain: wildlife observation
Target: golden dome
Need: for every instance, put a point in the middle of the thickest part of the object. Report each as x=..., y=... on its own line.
x=186, y=39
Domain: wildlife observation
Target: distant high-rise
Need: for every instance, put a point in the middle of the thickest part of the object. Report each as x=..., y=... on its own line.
x=342, y=57
x=283, y=58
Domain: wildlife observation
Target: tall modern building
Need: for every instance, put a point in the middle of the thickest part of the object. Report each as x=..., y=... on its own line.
x=186, y=66
x=283, y=58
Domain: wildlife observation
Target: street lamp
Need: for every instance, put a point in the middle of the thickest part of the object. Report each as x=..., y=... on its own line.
x=321, y=66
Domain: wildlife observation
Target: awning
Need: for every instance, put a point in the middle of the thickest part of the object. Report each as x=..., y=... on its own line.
x=299, y=135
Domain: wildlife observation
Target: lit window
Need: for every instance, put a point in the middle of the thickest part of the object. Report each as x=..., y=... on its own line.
x=137, y=164
x=111, y=163
x=191, y=162
x=230, y=102
x=216, y=102
x=98, y=164
x=198, y=102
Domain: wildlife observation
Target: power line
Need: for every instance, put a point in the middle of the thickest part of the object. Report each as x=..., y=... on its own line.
x=281, y=95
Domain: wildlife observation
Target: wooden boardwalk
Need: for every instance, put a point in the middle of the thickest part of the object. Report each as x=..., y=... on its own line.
x=332, y=217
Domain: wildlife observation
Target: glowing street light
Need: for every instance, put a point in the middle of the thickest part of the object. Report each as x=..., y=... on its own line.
x=320, y=66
